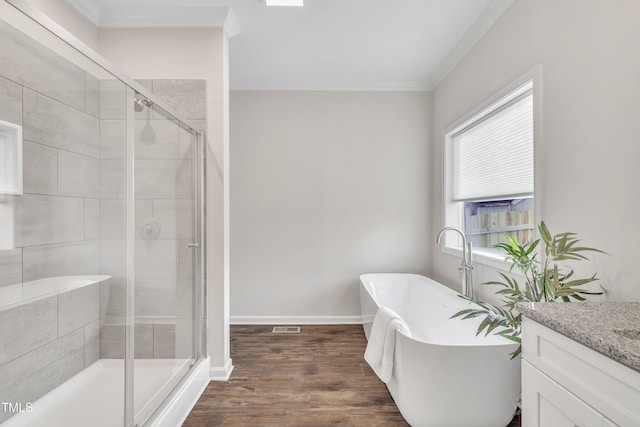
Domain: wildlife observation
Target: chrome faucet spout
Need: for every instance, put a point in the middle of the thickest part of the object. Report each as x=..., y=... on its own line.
x=466, y=263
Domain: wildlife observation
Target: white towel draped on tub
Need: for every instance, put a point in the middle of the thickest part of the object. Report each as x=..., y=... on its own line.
x=382, y=341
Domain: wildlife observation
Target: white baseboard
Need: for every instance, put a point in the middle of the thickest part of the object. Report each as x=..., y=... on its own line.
x=221, y=373
x=183, y=401
x=296, y=320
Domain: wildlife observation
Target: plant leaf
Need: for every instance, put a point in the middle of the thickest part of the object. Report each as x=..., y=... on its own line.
x=544, y=280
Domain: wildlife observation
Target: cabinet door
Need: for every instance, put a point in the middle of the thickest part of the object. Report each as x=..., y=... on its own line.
x=546, y=403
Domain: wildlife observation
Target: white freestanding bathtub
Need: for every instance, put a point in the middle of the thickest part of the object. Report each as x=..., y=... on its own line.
x=443, y=374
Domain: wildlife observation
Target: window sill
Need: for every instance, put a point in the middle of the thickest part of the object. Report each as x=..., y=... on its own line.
x=480, y=257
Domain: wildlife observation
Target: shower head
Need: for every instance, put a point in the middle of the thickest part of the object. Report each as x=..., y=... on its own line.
x=139, y=102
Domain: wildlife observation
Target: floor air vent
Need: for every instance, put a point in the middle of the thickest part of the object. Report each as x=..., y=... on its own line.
x=286, y=330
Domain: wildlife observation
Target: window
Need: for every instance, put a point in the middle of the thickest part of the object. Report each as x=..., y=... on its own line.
x=490, y=170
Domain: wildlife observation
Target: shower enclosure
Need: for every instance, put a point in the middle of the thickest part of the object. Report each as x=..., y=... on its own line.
x=101, y=233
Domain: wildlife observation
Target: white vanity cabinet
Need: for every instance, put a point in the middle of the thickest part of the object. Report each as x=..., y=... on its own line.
x=565, y=383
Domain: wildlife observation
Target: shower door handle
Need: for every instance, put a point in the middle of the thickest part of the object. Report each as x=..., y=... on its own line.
x=193, y=245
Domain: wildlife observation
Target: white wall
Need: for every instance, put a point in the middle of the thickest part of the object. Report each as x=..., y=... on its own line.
x=325, y=186
x=591, y=110
x=69, y=19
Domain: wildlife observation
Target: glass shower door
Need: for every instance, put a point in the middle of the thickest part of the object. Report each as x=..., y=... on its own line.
x=166, y=246
x=100, y=216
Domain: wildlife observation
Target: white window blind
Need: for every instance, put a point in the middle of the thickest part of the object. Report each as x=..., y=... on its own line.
x=493, y=157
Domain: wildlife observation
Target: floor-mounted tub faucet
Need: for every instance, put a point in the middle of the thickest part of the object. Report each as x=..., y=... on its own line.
x=466, y=266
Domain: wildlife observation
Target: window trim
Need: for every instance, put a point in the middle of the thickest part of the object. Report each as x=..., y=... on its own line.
x=453, y=212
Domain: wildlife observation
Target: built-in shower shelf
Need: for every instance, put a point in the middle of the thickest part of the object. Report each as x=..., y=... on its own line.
x=26, y=292
x=10, y=158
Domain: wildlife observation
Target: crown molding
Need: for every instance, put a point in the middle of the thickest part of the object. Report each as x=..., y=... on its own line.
x=328, y=85
x=146, y=17
x=231, y=25
x=128, y=16
x=90, y=10
x=485, y=21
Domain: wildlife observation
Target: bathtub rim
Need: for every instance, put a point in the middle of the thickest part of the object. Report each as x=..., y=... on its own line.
x=498, y=343
x=502, y=342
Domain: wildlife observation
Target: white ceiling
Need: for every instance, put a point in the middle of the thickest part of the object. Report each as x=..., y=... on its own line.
x=327, y=44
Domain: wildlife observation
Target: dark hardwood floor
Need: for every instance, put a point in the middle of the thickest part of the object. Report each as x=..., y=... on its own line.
x=315, y=378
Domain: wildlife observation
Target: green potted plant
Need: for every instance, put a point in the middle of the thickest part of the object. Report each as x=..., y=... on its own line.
x=544, y=280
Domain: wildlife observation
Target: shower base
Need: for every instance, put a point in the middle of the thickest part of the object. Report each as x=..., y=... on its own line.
x=95, y=396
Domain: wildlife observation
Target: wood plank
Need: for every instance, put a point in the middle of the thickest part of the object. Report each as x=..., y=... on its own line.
x=315, y=378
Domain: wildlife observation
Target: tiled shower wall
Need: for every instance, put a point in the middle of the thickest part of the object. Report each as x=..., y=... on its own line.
x=70, y=219
x=164, y=192
x=56, y=233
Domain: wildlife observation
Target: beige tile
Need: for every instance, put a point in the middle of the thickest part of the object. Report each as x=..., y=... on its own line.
x=29, y=63
x=113, y=139
x=91, y=219
x=78, y=175
x=113, y=179
x=156, y=258
x=185, y=298
x=112, y=340
x=164, y=340
x=47, y=121
x=10, y=294
x=185, y=261
x=31, y=376
x=10, y=267
x=112, y=99
x=78, y=308
x=143, y=340
x=92, y=95
x=113, y=257
x=91, y=343
x=10, y=232
x=186, y=97
x=112, y=299
x=164, y=179
x=156, y=139
x=113, y=216
x=185, y=181
x=176, y=216
x=155, y=297
x=147, y=83
x=11, y=105
x=40, y=167
x=60, y=260
x=27, y=327
x=144, y=211
x=155, y=178
x=184, y=337
x=49, y=219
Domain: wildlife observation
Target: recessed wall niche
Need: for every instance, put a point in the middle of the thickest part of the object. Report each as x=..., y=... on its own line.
x=10, y=158
x=10, y=179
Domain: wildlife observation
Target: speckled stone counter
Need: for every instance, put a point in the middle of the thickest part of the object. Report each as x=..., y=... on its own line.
x=610, y=328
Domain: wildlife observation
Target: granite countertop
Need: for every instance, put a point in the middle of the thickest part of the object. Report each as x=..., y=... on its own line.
x=611, y=328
